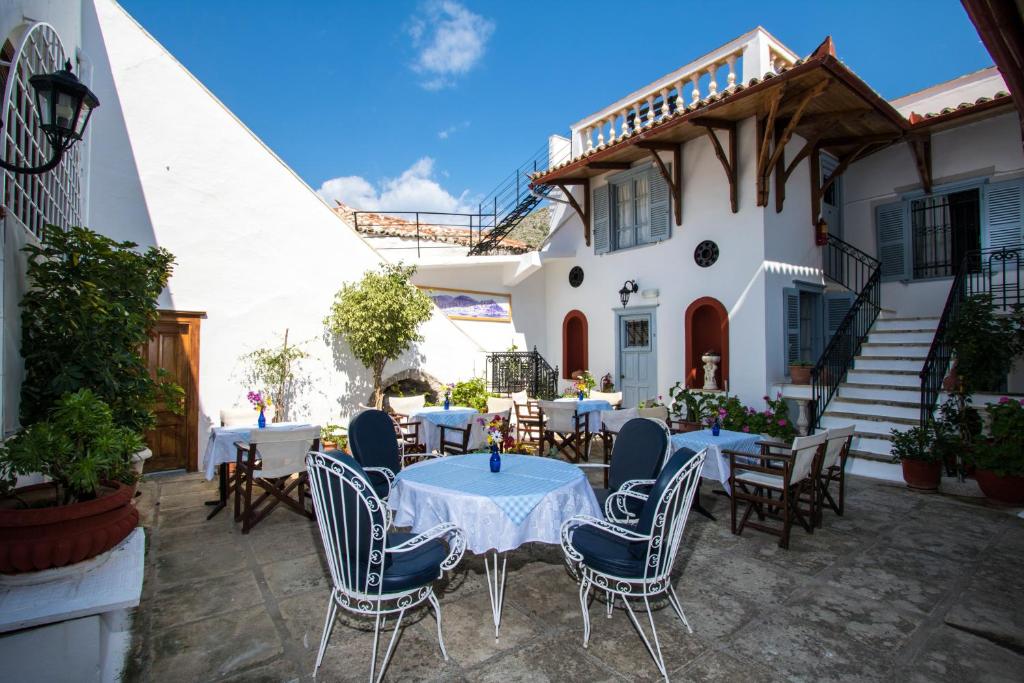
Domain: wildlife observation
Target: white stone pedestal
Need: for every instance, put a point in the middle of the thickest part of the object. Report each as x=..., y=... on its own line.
x=72, y=623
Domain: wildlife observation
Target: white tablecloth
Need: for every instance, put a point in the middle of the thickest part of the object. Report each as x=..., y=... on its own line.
x=716, y=465
x=463, y=492
x=220, y=448
x=432, y=417
x=592, y=407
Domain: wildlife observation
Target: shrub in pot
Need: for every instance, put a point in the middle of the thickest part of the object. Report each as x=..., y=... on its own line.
x=999, y=459
x=915, y=450
x=800, y=373
x=85, y=507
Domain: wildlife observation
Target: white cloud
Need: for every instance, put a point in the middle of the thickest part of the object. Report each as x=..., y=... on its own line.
x=414, y=190
x=446, y=133
x=449, y=40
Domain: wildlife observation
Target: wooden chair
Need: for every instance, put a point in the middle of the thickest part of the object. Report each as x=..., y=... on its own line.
x=792, y=476
x=238, y=417
x=611, y=424
x=833, y=469
x=613, y=397
x=407, y=431
x=528, y=423
x=274, y=460
x=498, y=404
x=565, y=428
x=472, y=437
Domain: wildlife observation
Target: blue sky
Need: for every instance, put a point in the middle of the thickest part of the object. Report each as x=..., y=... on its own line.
x=429, y=104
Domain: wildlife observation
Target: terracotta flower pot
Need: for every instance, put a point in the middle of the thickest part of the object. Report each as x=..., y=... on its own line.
x=800, y=374
x=922, y=475
x=1009, y=489
x=41, y=538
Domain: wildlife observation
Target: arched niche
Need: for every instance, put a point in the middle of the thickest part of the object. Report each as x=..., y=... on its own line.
x=575, y=348
x=707, y=329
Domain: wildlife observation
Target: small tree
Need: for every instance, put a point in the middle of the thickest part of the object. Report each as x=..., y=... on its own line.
x=273, y=369
x=379, y=317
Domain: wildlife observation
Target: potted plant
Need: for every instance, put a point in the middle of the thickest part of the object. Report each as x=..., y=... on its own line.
x=85, y=507
x=915, y=450
x=653, y=407
x=334, y=436
x=999, y=459
x=690, y=407
x=800, y=372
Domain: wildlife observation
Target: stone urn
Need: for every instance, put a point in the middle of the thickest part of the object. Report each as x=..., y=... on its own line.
x=711, y=361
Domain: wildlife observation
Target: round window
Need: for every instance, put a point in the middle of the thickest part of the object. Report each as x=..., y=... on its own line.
x=706, y=254
x=576, y=276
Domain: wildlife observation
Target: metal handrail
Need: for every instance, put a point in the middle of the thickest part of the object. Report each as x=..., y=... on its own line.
x=512, y=371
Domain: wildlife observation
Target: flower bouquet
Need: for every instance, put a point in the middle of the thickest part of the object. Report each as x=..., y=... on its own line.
x=261, y=402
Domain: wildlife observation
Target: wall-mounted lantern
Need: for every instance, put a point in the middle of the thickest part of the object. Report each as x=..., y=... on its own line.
x=630, y=287
x=64, y=105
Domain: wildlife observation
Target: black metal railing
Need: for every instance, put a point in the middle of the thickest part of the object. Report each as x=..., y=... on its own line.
x=850, y=267
x=429, y=229
x=994, y=272
x=512, y=371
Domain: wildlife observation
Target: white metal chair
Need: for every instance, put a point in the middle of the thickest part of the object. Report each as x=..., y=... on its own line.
x=374, y=573
x=274, y=460
x=565, y=428
x=833, y=469
x=636, y=563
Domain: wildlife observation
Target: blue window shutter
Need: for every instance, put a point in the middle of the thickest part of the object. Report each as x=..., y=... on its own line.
x=1004, y=215
x=661, y=194
x=791, y=323
x=836, y=306
x=600, y=210
x=893, y=233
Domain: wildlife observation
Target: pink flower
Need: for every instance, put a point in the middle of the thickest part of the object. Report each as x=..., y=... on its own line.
x=765, y=397
x=1004, y=399
x=1022, y=401
x=746, y=428
x=778, y=395
x=782, y=423
x=722, y=412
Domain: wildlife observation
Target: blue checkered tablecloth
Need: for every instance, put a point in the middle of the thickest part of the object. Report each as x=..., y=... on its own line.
x=521, y=484
x=432, y=418
x=591, y=407
x=716, y=465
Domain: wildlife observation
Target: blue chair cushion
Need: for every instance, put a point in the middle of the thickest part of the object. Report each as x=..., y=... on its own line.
x=638, y=452
x=678, y=460
x=413, y=569
x=371, y=436
x=609, y=554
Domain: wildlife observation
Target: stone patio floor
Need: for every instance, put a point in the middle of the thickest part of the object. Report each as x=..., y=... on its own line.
x=904, y=587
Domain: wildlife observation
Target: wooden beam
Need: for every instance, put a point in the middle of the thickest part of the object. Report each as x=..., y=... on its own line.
x=728, y=163
x=921, y=146
x=609, y=165
x=674, y=179
x=571, y=181
x=712, y=122
x=654, y=144
x=857, y=140
x=765, y=128
x=843, y=164
x=800, y=156
x=829, y=117
x=815, y=157
x=584, y=211
x=780, y=176
x=794, y=119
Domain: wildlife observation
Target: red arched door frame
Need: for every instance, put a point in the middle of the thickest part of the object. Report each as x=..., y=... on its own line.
x=583, y=351
x=694, y=366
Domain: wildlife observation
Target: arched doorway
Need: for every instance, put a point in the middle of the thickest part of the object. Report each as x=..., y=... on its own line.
x=574, y=343
x=707, y=329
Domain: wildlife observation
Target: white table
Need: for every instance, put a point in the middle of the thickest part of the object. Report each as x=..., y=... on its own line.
x=220, y=448
x=432, y=417
x=716, y=465
x=527, y=501
x=592, y=408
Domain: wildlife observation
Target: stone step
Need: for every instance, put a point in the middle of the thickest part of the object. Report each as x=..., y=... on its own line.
x=872, y=444
x=866, y=424
x=870, y=455
x=901, y=336
x=885, y=322
x=896, y=349
x=875, y=408
x=900, y=378
x=888, y=363
x=882, y=392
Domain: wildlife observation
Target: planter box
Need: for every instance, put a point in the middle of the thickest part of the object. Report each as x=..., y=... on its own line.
x=921, y=475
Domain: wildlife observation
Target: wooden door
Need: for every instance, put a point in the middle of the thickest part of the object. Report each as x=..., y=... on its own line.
x=174, y=347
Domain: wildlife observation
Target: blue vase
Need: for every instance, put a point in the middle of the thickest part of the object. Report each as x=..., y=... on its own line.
x=579, y=395
x=447, y=403
x=495, y=458
x=262, y=421
x=716, y=429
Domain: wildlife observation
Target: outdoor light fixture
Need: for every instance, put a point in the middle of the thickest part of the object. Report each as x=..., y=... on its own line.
x=64, y=104
x=630, y=287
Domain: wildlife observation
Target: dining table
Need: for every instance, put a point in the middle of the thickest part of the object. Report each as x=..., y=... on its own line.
x=221, y=451
x=716, y=464
x=526, y=501
x=591, y=407
x=432, y=418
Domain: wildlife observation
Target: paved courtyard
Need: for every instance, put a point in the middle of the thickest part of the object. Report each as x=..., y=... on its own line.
x=904, y=587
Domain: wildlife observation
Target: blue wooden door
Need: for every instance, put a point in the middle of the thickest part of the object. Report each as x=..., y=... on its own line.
x=637, y=361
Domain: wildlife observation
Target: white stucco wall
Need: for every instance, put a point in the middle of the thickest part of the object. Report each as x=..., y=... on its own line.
x=966, y=88
x=173, y=167
x=989, y=148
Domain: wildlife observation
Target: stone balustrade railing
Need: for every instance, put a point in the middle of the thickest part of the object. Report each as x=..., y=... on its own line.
x=751, y=55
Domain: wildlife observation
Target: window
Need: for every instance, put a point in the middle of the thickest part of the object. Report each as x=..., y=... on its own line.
x=945, y=228
x=632, y=212
x=638, y=333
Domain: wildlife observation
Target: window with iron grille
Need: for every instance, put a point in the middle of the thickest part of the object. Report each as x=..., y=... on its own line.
x=945, y=227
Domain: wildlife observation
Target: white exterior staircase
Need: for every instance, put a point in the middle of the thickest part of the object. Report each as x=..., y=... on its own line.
x=883, y=389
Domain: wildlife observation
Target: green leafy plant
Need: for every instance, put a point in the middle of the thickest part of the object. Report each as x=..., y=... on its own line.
x=916, y=443
x=472, y=393
x=985, y=344
x=690, y=405
x=652, y=403
x=379, y=317
x=275, y=368
x=1003, y=452
x=587, y=381
x=77, y=447
x=91, y=305
x=335, y=434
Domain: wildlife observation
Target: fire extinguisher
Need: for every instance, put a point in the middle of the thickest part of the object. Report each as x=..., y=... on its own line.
x=821, y=232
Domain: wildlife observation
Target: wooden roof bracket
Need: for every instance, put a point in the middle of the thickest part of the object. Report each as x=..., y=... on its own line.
x=921, y=146
x=675, y=178
x=728, y=163
x=765, y=129
x=584, y=211
x=782, y=174
x=818, y=190
x=770, y=131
